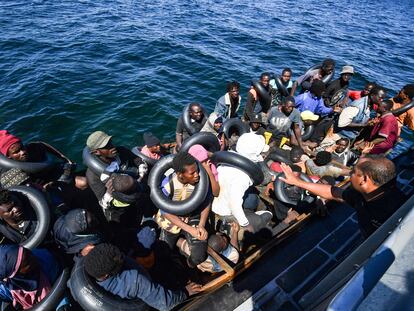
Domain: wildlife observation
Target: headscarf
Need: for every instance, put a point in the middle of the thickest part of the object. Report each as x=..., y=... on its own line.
x=201, y=154
x=6, y=141
x=26, y=289
x=72, y=232
x=251, y=145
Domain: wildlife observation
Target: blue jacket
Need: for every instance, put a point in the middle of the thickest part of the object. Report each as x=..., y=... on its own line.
x=222, y=107
x=307, y=101
x=134, y=283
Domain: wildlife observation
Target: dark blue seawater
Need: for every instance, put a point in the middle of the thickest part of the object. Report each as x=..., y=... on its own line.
x=68, y=68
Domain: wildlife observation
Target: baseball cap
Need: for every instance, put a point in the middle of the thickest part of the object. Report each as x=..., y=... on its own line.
x=97, y=140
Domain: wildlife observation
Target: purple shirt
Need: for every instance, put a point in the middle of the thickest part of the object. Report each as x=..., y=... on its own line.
x=307, y=101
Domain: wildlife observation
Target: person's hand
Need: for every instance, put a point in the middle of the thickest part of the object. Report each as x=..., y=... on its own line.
x=235, y=227
x=109, y=186
x=373, y=121
x=337, y=109
x=290, y=177
x=202, y=233
x=142, y=169
x=368, y=147
x=193, y=288
x=206, y=164
x=270, y=186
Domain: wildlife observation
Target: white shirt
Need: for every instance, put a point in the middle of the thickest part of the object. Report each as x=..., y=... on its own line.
x=233, y=184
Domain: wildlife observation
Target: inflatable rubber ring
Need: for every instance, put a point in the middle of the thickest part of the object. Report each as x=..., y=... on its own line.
x=325, y=79
x=41, y=208
x=234, y=123
x=280, y=86
x=308, y=132
x=146, y=159
x=338, y=96
x=205, y=139
x=93, y=297
x=54, y=297
x=164, y=203
x=280, y=190
x=261, y=91
x=28, y=167
x=92, y=162
x=187, y=120
x=236, y=160
x=403, y=109
x=277, y=157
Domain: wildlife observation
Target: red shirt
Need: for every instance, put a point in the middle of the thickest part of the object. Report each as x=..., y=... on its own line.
x=354, y=95
x=387, y=127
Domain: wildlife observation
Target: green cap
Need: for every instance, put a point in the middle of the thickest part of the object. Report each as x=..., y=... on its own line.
x=97, y=140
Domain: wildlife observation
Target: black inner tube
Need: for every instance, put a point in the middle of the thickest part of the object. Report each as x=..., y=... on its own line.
x=92, y=162
x=206, y=139
x=41, y=208
x=93, y=297
x=338, y=96
x=53, y=298
x=147, y=159
x=290, y=194
x=236, y=160
x=234, y=125
x=280, y=156
x=164, y=203
x=264, y=96
x=280, y=86
x=326, y=79
x=187, y=120
x=308, y=131
x=28, y=167
x=403, y=109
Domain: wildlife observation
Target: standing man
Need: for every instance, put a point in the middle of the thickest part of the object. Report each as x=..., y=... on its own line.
x=255, y=103
x=228, y=104
x=374, y=193
x=197, y=120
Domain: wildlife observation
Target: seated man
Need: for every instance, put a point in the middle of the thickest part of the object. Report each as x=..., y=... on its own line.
x=354, y=95
x=214, y=125
x=323, y=166
x=26, y=277
x=228, y=104
x=197, y=120
x=255, y=104
x=153, y=148
x=122, y=276
x=77, y=232
x=313, y=100
x=118, y=159
x=237, y=200
x=13, y=148
x=338, y=84
x=17, y=219
x=285, y=78
x=219, y=242
x=374, y=193
x=256, y=124
x=178, y=187
x=384, y=135
x=341, y=152
x=405, y=121
x=306, y=80
x=285, y=121
x=354, y=117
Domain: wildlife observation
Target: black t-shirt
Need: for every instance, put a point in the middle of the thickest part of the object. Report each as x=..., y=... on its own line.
x=372, y=213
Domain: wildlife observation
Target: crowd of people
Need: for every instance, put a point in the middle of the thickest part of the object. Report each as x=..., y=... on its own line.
x=106, y=218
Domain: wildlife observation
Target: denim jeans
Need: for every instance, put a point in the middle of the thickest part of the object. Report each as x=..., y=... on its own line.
x=407, y=142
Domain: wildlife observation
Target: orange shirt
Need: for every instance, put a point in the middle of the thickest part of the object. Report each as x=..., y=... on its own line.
x=406, y=118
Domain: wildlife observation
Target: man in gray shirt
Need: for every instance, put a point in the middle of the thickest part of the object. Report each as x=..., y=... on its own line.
x=285, y=121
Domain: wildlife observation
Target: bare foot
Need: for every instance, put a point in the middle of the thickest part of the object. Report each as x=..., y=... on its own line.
x=292, y=215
